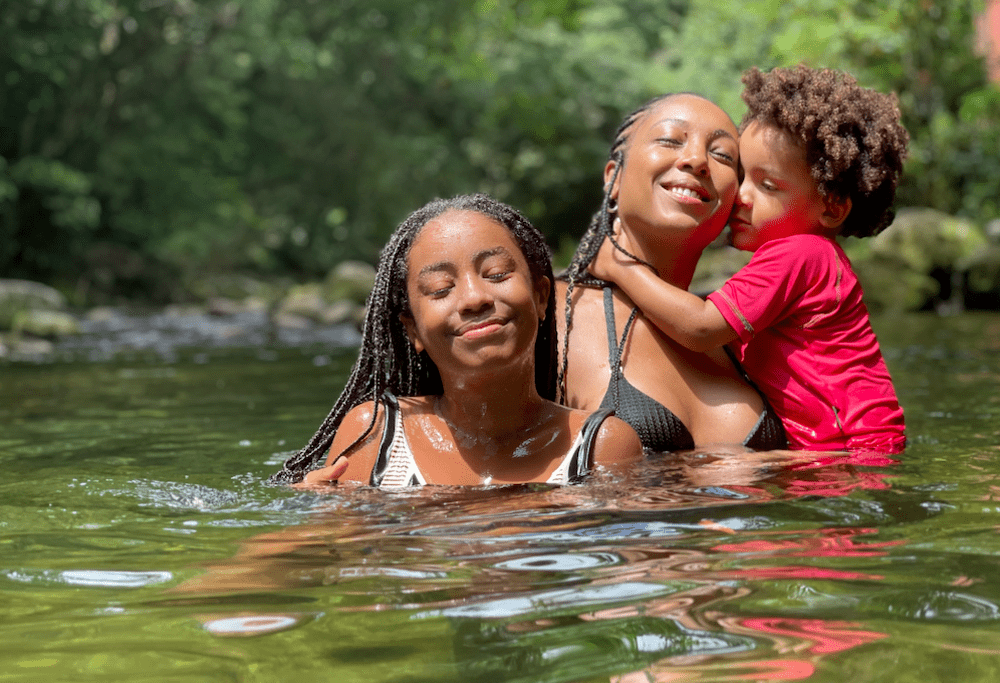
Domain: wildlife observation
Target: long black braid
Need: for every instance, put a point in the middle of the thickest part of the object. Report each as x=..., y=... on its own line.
x=387, y=359
x=601, y=226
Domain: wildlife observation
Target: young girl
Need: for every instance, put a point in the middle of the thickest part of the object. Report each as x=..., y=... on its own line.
x=456, y=373
x=821, y=157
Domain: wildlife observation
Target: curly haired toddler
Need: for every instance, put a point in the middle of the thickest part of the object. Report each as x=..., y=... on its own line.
x=821, y=157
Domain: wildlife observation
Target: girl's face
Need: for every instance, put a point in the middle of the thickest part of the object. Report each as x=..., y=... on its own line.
x=679, y=177
x=474, y=304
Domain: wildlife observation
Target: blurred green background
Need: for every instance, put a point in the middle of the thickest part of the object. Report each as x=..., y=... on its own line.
x=146, y=143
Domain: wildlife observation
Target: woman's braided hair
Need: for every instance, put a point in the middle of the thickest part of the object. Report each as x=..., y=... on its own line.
x=387, y=359
x=601, y=226
x=854, y=142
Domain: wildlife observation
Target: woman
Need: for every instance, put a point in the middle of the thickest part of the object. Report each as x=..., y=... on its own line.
x=670, y=182
x=454, y=380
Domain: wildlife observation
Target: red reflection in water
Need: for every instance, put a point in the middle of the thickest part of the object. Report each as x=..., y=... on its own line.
x=828, y=543
x=825, y=636
x=834, y=475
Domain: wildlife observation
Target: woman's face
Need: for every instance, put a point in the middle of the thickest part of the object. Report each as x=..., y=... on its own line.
x=473, y=301
x=679, y=177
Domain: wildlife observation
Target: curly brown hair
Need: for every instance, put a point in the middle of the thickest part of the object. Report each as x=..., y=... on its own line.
x=854, y=141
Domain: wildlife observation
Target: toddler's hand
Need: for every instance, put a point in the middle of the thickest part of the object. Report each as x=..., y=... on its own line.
x=603, y=264
x=323, y=476
x=609, y=260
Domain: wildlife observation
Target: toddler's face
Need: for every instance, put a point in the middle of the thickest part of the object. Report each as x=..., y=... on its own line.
x=778, y=197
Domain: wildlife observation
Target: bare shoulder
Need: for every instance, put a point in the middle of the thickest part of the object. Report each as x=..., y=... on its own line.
x=617, y=446
x=361, y=458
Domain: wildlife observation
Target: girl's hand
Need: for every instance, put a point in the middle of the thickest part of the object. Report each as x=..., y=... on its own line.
x=324, y=476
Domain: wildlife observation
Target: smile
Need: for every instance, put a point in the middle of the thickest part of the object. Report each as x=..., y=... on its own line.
x=687, y=192
x=480, y=329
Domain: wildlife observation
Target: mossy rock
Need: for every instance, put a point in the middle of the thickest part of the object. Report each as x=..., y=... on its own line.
x=46, y=324
x=927, y=239
x=890, y=287
x=24, y=295
x=349, y=281
x=304, y=301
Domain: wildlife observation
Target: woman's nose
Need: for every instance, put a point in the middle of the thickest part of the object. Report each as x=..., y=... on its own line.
x=694, y=158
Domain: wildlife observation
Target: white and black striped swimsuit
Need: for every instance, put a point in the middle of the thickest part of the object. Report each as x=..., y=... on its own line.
x=396, y=467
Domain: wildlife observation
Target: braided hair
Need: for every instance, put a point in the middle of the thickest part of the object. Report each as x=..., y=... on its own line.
x=854, y=142
x=387, y=360
x=601, y=226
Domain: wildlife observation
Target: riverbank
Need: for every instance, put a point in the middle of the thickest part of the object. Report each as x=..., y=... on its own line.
x=925, y=260
x=37, y=325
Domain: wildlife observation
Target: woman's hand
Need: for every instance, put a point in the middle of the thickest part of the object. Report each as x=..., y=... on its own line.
x=324, y=476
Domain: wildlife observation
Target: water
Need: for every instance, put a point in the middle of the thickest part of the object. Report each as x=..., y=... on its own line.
x=137, y=542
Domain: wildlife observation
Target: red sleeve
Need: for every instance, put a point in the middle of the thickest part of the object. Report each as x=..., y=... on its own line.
x=766, y=290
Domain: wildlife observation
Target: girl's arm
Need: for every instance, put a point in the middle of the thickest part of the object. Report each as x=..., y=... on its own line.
x=617, y=447
x=684, y=317
x=356, y=466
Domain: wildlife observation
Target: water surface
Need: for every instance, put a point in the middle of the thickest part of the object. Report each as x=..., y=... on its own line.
x=138, y=543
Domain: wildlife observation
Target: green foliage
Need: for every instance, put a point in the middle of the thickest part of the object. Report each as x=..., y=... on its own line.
x=144, y=140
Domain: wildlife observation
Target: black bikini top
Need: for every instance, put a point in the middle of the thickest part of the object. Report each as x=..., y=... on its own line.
x=658, y=428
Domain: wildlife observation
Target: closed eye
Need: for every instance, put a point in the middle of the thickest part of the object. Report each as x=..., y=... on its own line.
x=724, y=155
x=498, y=276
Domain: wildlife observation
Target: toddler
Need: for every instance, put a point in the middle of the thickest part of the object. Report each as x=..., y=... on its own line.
x=821, y=157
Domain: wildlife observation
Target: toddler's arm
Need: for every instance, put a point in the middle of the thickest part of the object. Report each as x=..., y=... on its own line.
x=688, y=319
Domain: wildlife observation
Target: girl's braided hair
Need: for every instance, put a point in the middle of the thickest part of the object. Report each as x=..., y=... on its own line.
x=387, y=359
x=854, y=142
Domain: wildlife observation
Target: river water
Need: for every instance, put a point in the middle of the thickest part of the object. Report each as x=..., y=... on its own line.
x=138, y=542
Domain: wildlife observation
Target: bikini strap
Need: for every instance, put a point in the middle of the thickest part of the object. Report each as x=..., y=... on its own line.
x=615, y=348
x=583, y=459
x=385, y=447
x=609, y=323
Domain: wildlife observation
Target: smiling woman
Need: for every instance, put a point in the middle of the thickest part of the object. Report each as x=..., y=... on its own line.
x=456, y=374
x=670, y=182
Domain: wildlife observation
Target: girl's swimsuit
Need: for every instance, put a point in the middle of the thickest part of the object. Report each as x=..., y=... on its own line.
x=396, y=467
x=657, y=427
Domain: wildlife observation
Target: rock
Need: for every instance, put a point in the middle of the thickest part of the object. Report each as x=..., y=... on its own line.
x=291, y=321
x=919, y=261
x=924, y=239
x=305, y=301
x=341, y=312
x=48, y=324
x=351, y=281
x=23, y=295
x=223, y=306
x=234, y=287
x=102, y=314
x=18, y=348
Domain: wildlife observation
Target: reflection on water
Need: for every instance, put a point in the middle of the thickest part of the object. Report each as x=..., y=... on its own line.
x=137, y=542
x=539, y=583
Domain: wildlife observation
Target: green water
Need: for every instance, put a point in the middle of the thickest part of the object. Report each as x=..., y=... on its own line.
x=137, y=542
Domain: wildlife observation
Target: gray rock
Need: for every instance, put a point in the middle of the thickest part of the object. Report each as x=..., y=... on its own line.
x=23, y=295
x=350, y=280
x=305, y=301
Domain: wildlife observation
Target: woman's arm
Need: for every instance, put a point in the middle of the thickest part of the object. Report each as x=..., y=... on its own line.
x=685, y=317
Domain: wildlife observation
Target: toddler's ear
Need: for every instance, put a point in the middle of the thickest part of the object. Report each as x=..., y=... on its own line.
x=835, y=212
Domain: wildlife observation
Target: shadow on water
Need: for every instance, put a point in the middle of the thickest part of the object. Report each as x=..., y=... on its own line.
x=137, y=542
